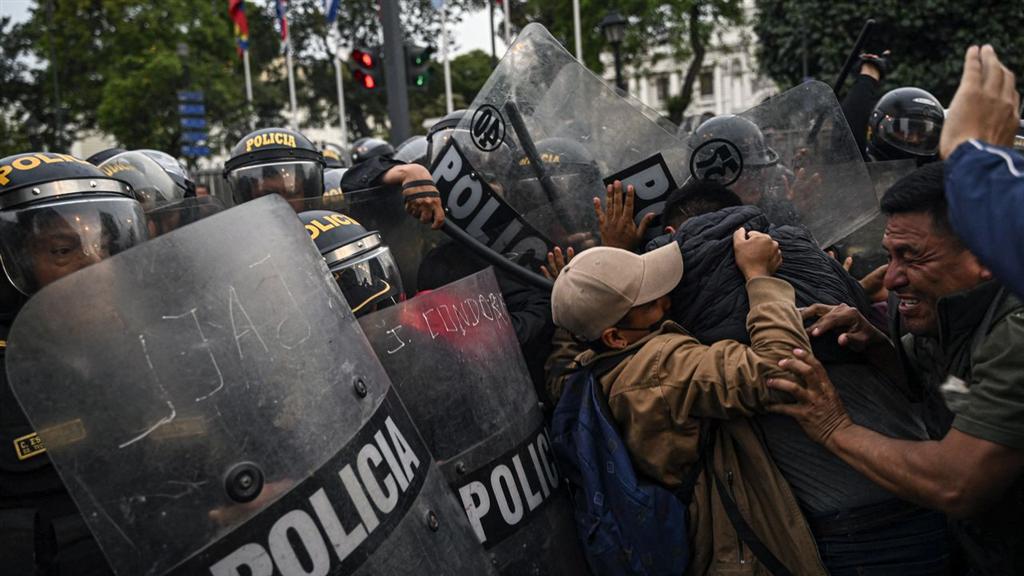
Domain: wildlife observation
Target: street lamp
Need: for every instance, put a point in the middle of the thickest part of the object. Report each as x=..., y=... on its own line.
x=614, y=28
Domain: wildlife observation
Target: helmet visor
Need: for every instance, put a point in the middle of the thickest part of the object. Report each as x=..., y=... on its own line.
x=912, y=134
x=44, y=242
x=300, y=183
x=152, y=185
x=370, y=282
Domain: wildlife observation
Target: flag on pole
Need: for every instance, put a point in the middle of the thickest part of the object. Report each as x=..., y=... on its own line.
x=331, y=10
x=281, y=6
x=236, y=11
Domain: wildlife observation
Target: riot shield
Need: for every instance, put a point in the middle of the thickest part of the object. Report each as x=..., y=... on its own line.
x=453, y=355
x=381, y=208
x=795, y=157
x=213, y=408
x=521, y=169
x=865, y=243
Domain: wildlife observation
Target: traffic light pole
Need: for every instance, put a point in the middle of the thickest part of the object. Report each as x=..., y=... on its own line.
x=394, y=72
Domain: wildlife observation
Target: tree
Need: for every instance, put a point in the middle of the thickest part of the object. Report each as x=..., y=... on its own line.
x=118, y=66
x=678, y=29
x=927, y=39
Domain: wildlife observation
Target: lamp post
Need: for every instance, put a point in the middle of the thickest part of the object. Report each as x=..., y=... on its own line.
x=614, y=28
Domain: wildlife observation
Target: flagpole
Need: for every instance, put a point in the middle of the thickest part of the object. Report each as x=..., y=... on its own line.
x=341, y=99
x=507, y=5
x=449, y=106
x=248, y=84
x=576, y=29
x=291, y=83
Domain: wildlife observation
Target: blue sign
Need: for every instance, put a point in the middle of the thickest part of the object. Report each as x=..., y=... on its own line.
x=194, y=137
x=190, y=96
x=195, y=151
x=192, y=109
x=194, y=123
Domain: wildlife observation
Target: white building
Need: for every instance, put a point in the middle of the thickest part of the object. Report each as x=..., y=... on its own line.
x=729, y=81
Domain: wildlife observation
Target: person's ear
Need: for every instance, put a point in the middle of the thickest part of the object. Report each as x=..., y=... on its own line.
x=984, y=273
x=670, y=230
x=612, y=338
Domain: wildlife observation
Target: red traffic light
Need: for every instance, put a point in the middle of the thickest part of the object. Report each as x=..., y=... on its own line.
x=365, y=80
x=363, y=58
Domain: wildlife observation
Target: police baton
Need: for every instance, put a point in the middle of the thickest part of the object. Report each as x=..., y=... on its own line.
x=854, y=55
x=499, y=261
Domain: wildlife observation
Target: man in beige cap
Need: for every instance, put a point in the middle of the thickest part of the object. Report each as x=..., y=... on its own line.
x=666, y=382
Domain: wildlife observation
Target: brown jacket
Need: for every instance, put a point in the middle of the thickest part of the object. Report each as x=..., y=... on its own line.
x=658, y=396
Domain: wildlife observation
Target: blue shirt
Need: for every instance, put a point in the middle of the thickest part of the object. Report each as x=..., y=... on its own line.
x=985, y=191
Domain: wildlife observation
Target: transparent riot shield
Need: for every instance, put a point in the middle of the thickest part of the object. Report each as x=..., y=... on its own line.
x=795, y=157
x=165, y=217
x=453, y=356
x=865, y=243
x=381, y=208
x=521, y=169
x=213, y=408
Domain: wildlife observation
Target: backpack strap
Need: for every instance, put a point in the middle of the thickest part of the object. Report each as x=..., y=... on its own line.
x=747, y=534
x=685, y=490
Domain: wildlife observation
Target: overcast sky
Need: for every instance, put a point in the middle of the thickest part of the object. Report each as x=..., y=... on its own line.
x=471, y=33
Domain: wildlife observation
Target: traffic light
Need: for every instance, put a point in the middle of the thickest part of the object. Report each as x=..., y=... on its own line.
x=417, y=66
x=366, y=68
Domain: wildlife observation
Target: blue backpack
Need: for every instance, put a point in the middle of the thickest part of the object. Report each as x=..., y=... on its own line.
x=626, y=524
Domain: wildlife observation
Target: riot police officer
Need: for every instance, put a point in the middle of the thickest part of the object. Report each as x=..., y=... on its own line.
x=906, y=124
x=276, y=161
x=161, y=184
x=359, y=260
x=366, y=148
x=58, y=214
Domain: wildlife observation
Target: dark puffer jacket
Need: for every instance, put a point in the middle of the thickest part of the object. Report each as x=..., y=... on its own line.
x=711, y=301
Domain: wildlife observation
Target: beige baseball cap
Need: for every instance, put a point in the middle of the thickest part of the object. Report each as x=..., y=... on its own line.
x=597, y=288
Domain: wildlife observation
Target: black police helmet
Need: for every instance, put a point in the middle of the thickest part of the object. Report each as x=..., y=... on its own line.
x=905, y=124
x=359, y=260
x=101, y=156
x=413, y=150
x=97, y=216
x=272, y=144
x=744, y=134
x=366, y=148
x=333, y=158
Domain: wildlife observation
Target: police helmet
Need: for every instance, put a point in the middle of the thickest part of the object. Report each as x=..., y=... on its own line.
x=366, y=148
x=742, y=133
x=333, y=193
x=276, y=161
x=99, y=157
x=334, y=156
x=163, y=187
x=905, y=124
x=440, y=132
x=59, y=214
x=413, y=151
x=359, y=260
x=576, y=179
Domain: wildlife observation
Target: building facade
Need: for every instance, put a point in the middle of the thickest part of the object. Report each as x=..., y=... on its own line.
x=729, y=81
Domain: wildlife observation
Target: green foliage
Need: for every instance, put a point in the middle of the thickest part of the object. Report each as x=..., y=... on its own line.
x=118, y=68
x=927, y=38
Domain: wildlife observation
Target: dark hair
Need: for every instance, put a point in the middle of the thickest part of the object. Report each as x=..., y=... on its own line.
x=923, y=190
x=697, y=197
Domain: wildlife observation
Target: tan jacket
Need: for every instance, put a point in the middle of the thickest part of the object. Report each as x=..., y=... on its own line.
x=658, y=396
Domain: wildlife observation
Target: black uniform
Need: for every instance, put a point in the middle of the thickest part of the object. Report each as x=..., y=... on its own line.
x=857, y=107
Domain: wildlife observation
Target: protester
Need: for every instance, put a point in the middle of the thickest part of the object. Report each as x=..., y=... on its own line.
x=984, y=174
x=965, y=350
x=667, y=381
